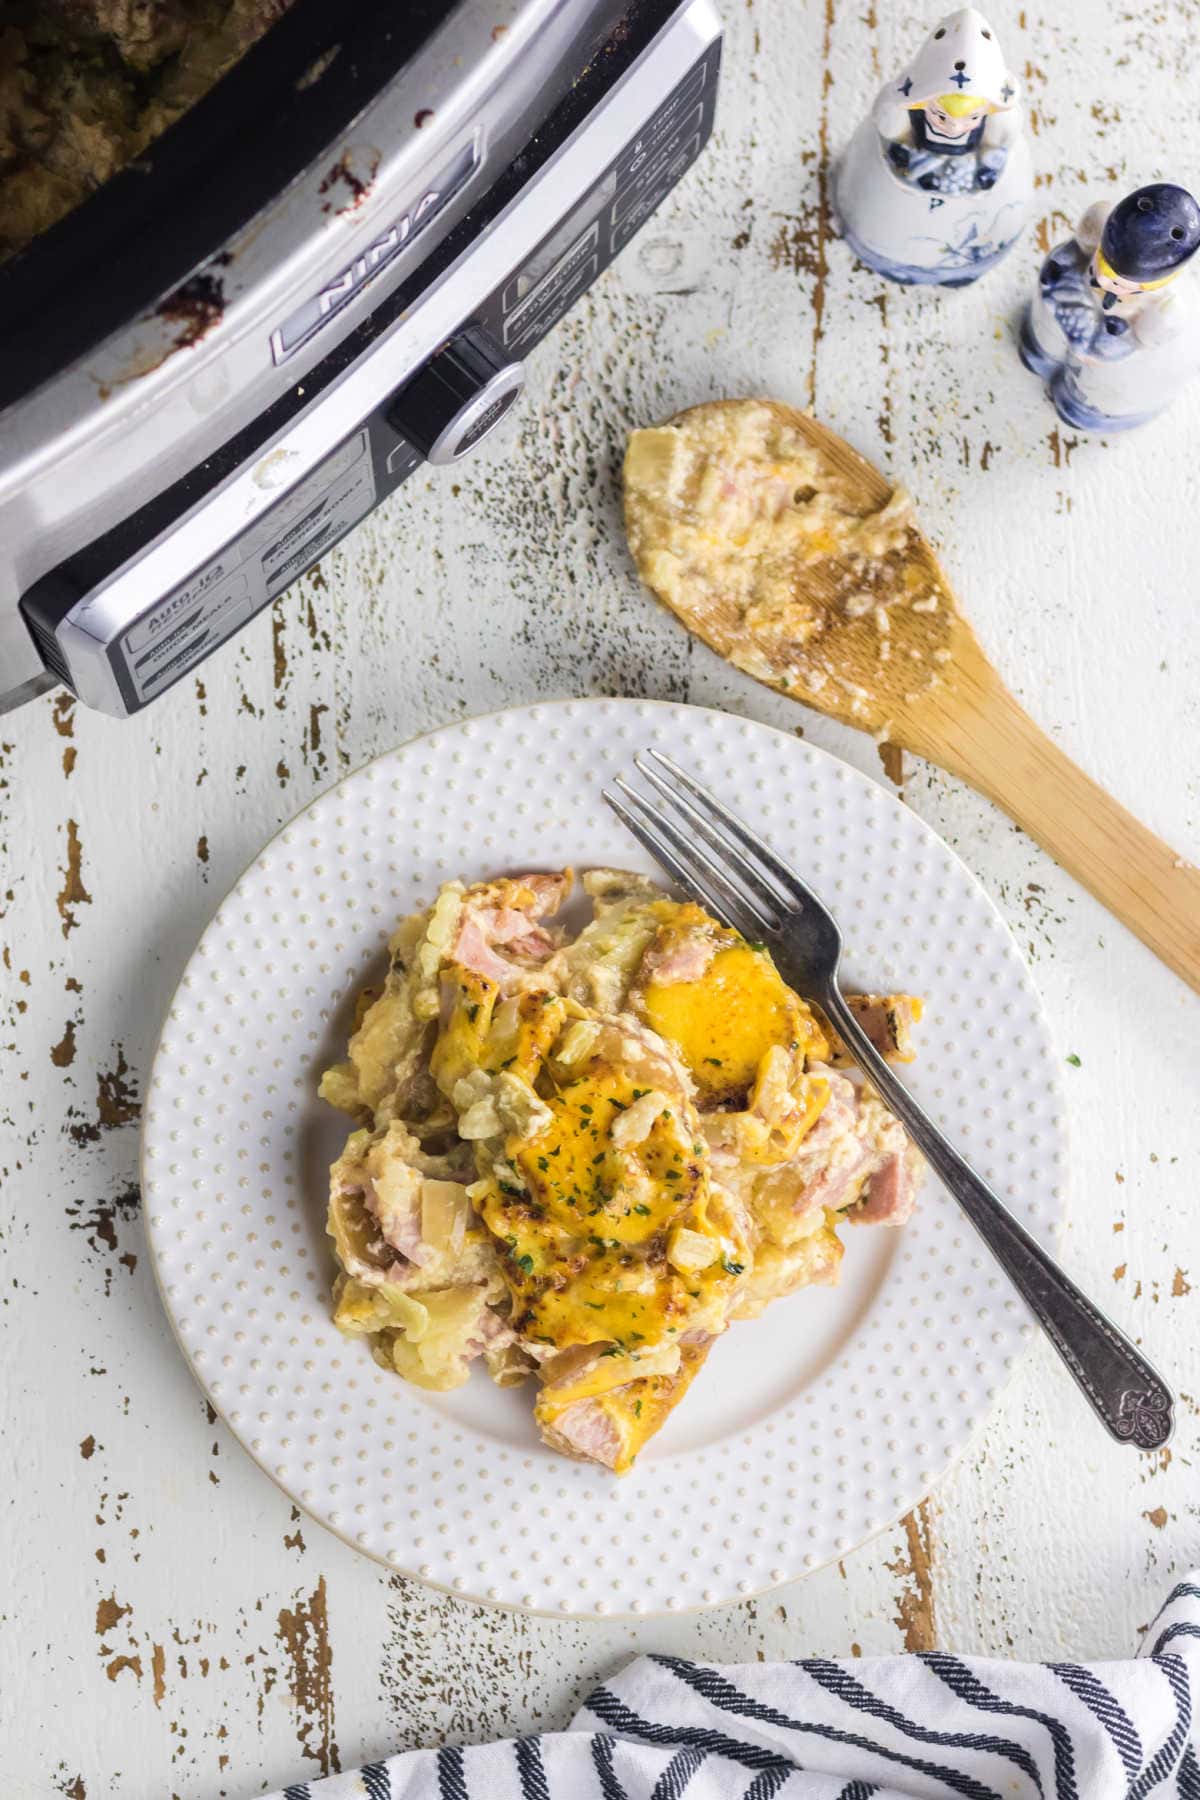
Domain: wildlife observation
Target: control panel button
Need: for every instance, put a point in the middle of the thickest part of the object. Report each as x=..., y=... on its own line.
x=462, y=392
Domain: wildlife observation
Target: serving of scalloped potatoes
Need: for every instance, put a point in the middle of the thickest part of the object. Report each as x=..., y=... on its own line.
x=579, y=1157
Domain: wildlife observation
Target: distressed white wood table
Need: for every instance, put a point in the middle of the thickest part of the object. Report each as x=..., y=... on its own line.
x=170, y=1625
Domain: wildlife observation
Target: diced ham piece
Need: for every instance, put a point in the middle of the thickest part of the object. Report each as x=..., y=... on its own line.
x=396, y=1203
x=857, y=1147
x=891, y=1192
x=586, y=1430
x=490, y=923
x=888, y=1020
x=685, y=959
x=548, y=890
x=516, y=932
x=472, y=950
x=491, y=1332
x=839, y=1180
x=836, y=1117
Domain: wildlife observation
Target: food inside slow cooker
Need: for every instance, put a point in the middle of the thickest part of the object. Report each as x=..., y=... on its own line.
x=87, y=85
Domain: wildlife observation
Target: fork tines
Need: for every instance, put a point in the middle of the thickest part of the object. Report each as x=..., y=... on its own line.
x=753, y=892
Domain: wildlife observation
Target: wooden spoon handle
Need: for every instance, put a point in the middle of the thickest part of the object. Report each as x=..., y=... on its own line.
x=982, y=734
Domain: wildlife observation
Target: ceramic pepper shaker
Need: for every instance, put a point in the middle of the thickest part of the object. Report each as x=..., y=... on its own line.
x=1108, y=330
x=936, y=183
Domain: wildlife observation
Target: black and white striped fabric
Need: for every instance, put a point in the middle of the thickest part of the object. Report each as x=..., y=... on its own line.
x=888, y=1728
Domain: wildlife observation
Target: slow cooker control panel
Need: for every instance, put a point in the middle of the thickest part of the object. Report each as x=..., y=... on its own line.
x=460, y=395
x=107, y=623
x=484, y=357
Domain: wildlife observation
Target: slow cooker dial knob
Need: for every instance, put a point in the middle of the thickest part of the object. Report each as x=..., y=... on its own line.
x=462, y=392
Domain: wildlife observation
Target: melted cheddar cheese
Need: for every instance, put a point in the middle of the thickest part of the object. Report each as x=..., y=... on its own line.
x=577, y=1172
x=588, y=1229
x=594, y=1173
x=481, y=1031
x=631, y=1410
x=725, y=1021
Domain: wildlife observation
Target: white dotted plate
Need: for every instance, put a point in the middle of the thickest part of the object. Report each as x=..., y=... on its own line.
x=811, y=1428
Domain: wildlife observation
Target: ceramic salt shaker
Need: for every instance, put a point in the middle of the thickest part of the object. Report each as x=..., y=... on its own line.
x=936, y=183
x=1109, y=330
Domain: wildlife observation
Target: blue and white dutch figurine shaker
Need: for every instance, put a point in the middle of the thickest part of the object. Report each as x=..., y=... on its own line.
x=1108, y=330
x=937, y=181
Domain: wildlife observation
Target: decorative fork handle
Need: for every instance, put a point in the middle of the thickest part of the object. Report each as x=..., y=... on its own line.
x=1128, y=1395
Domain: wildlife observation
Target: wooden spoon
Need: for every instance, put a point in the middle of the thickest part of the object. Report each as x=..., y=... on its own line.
x=844, y=606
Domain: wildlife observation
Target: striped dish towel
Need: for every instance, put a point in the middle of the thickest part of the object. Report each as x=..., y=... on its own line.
x=888, y=1728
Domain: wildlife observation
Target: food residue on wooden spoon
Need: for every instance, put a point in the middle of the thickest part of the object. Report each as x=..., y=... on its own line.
x=791, y=556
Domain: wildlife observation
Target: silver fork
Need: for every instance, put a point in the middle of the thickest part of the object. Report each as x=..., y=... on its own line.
x=712, y=855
